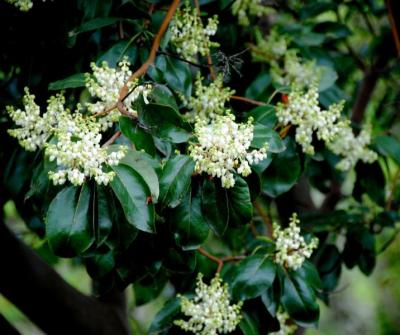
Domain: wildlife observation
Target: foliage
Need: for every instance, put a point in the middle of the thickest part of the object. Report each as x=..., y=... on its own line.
x=163, y=174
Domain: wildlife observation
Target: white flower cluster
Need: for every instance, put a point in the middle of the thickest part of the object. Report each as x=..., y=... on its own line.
x=303, y=111
x=22, y=5
x=222, y=148
x=78, y=152
x=291, y=248
x=285, y=327
x=34, y=129
x=272, y=48
x=210, y=310
x=208, y=101
x=296, y=71
x=105, y=83
x=352, y=148
x=189, y=35
x=245, y=8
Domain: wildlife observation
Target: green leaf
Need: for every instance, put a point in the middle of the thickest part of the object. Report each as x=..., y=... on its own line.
x=283, y=172
x=148, y=289
x=309, y=273
x=67, y=222
x=175, y=180
x=239, y=202
x=248, y=326
x=162, y=95
x=258, y=88
x=299, y=300
x=327, y=79
x=215, y=207
x=100, y=264
x=94, y=24
x=164, y=122
x=188, y=224
x=264, y=115
x=388, y=146
x=103, y=226
x=137, y=161
x=133, y=192
x=76, y=80
x=165, y=317
x=374, y=187
x=137, y=135
x=115, y=54
x=263, y=134
x=252, y=277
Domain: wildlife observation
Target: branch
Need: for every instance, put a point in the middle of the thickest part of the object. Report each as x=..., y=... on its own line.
x=219, y=261
x=264, y=216
x=247, y=100
x=153, y=52
x=391, y=6
x=50, y=302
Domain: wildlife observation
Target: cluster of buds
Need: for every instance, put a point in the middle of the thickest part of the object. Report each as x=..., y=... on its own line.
x=291, y=248
x=208, y=101
x=105, y=83
x=286, y=328
x=302, y=110
x=222, y=148
x=210, y=311
x=246, y=8
x=189, y=35
x=78, y=153
x=352, y=148
x=22, y=5
x=271, y=49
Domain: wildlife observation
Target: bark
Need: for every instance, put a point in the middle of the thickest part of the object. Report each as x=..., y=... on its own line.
x=51, y=303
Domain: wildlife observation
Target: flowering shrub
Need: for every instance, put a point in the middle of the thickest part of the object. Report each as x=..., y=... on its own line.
x=154, y=164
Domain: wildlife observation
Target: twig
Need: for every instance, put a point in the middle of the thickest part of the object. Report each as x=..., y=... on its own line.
x=264, y=216
x=153, y=51
x=393, y=25
x=219, y=261
x=182, y=59
x=284, y=131
x=112, y=139
x=247, y=100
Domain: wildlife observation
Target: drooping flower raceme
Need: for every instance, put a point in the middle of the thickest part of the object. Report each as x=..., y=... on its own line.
x=189, y=35
x=78, y=153
x=291, y=248
x=208, y=101
x=303, y=111
x=22, y=5
x=245, y=8
x=210, y=311
x=104, y=85
x=352, y=148
x=222, y=148
x=285, y=327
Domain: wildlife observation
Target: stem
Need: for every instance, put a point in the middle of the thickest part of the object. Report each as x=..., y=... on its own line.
x=182, y=59
x=153, y=52
x=264, y=216
x=392, y=21
x=284, y=131
x=219, y=261
x=112, y=139
x=248, y=100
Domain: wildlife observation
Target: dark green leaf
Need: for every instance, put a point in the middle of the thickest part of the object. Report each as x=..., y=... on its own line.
x=263, y=134
x=138, y=136
x=283, y=172
x=165, y=317
x=374, y=187
x=264, y=115
x=175, y=180
x=117, y=52
x=388, y=146
x=100, y=264
x=188, y=224
x=103, y=225
x=94, y=24
x=248, y=326
x=299, y=300
x=239, y=202
x=258, y=88
x=252, y=277
x=67, y=222
x=133, y=193
x=76, y=80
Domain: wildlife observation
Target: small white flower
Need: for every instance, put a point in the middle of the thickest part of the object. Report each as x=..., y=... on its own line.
x=210, y=311
x=285, y=327
x=291, y=248
x=22, y=5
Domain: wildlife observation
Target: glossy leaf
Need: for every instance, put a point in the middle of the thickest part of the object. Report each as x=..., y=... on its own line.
x=67, y=222
x=175, y=180
x=103, y=223
x=76, y=80
x=252, y=277
x=188, y=224
x=263, y=134
x=388, y=146
x=164, y=318
x=133, y=193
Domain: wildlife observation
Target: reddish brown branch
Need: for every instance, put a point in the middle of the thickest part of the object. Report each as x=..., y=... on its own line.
x=219, y=261
x=248, y=100
x=112, y=139
x=393, y=25
x=264, y=216
x=153, y=51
